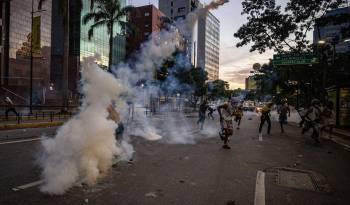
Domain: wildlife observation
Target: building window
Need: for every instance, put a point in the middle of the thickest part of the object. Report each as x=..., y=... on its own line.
x=171, y=11
x=146, y=25
x=147, y=14
x=181, y=9
x=172, y=3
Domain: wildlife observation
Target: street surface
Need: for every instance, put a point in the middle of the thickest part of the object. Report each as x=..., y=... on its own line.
x=281, y=169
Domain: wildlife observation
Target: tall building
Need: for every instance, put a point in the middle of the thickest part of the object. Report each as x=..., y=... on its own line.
x=204, y=42
x=209, y=45
x=79, y=44
x=146, y=21
x=16, y=34
x=333, y=33
x=178, y=9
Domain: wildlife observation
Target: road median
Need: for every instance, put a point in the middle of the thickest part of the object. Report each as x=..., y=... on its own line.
x=30, y=125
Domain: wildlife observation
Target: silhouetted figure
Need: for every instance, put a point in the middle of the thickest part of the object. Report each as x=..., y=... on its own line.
x=210, y=113
x=238, y=115
x=201, y=114
x=9, y=107
x=265, y=117
x=283, y=111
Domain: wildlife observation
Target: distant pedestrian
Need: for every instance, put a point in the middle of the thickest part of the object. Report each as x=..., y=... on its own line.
x=265, y=117
x=328, y=118
x=226, y=113
x=238, y=115
x=313, y=119
x=9, y=107
x=283, y=111
x=201, y=114
x=210, y=113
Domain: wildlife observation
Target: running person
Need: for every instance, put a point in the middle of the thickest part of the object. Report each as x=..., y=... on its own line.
x=210, y=113
x=313, y=119
x=201, y=114
x=238, y=115
x=226, y=113
x=283, y=111
x=265, y=117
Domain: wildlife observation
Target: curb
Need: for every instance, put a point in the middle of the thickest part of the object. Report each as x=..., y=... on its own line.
x=30, y=125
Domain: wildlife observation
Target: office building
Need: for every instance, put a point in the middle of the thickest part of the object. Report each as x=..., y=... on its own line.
x=333, y=33
x=80, y=46
x=16, y=35
x=146, y=21
x=178, y=9
x=208, y=48
x=204, y=41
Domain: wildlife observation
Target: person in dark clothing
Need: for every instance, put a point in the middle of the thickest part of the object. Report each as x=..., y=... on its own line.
x=201, y=114
x=210, y=113
x=265, y=117
x=283, y=111
x=10, y=107
x=238, y=115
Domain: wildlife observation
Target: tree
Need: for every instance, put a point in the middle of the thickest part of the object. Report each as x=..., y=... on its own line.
x=271, y=27
x=106, y=13
x=218, y=89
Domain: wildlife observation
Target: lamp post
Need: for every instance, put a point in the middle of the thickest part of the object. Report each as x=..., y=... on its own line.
x=31, y=60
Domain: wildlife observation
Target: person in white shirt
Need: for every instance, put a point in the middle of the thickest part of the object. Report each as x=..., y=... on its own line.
x=313, y=119
x=226, y=113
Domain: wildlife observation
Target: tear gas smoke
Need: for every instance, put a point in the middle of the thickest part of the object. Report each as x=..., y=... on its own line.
x=83, y=148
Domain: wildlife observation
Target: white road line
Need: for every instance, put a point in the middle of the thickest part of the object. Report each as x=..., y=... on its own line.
x=19, y=141
x=26, y=186
x=260, y=189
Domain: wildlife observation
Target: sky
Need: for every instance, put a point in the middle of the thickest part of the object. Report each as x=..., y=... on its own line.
x=235, y=63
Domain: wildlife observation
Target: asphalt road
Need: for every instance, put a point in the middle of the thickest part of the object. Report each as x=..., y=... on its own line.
x=292, y=170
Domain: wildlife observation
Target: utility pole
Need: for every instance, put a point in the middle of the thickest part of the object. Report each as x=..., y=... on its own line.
x=31, y=64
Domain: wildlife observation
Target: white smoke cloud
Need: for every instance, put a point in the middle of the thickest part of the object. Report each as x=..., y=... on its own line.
x=84, y=147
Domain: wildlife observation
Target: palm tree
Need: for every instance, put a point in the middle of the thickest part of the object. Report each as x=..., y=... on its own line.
x=107, y=13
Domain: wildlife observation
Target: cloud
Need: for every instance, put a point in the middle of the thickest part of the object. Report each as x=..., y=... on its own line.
x=236, y=63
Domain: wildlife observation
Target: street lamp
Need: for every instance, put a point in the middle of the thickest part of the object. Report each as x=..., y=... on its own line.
x=31, y=60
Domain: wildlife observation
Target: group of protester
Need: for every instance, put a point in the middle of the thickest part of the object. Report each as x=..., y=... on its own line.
x=318, y=117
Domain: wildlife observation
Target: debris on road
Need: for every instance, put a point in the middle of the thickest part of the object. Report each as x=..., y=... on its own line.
x=151, y=194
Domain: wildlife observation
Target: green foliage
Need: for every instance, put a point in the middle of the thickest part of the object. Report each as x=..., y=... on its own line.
x=271, y=27
x=219, y=89
x=106, y=13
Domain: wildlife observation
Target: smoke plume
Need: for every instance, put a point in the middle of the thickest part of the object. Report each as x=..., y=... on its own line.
x=84, y=147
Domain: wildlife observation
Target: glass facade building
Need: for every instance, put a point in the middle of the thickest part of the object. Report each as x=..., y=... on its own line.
x=16, y=33
x=99, y=43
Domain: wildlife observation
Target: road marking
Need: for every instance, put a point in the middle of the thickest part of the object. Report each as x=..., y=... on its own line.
x=19, y=141
x=260, y=137
x=260, y=189
x=29, y=185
